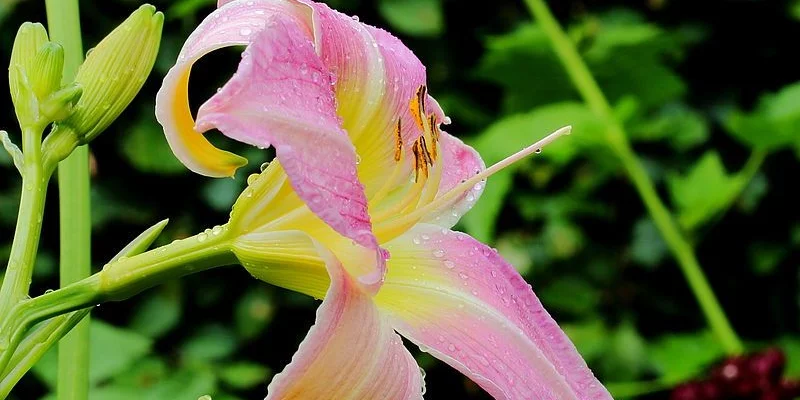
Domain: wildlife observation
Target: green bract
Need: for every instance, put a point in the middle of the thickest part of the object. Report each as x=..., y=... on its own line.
x=24, y=56
x=114, y=71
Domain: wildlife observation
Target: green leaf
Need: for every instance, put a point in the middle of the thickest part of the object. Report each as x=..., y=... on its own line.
x=145, y=147
x=414, y=17
x=220, y=194
x=570, y=294
x=704, y=191
x=679, y=357
x=626, y=357
x=253, y=313
x=160, y=311
x=774, y=124
x=791, y=346
x=183, y=8
x=627, y=56
x=589, y=337
x=244, y=375
x=680, y=126
x=210, y=343
x=186, y=383
x=648, y=247
x=510, y=134
x=113, y=350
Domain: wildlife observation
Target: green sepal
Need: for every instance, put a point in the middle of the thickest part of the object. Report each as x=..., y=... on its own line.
x=61, y=104
x=13, y=150
x=142, y=242
x=114, y=71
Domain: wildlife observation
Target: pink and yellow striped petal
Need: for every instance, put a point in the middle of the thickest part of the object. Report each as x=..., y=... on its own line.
x=457, y=298
x=282, y=96
x=351, y=352
x=232, y=24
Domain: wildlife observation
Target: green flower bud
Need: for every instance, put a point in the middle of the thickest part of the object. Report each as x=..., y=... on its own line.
x=114, y=71
x=30, y=37
x=45, y=73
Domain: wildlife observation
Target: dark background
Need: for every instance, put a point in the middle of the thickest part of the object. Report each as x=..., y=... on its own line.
x=698, y=84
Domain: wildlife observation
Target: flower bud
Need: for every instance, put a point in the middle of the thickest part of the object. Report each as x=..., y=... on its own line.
x=114, y=71
x=45, y=73
x=30, y=37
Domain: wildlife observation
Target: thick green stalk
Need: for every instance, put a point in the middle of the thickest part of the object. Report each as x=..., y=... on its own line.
x=36, y=345
x=74, y=212
x=615, y=134
x=117, y=281
x=29, y=223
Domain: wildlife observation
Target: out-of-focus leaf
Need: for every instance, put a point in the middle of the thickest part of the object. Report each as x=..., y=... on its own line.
x=625, y=54
x=764, y=257
x=626, y=358
x=210, y=343
x=414, y=17
x=570, y=294
x=145, y=147
x=159, y=312
x=679, y=357
x=515, y=132
x=113, y=350
x=648, y=247
x=566, y=205
x=253, y=313
x=187, y=383
x=774, y=124
x=220, y=194
x=703, y=191
x=563, y=238
x=590, y=338
x=184, y=8
x=680, y=126
x=244, y=375
x=514, y=249
x=791, y=346
x=107, y=206
x=752, y=194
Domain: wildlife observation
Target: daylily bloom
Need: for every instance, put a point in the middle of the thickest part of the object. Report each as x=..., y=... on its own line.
x=357, y=209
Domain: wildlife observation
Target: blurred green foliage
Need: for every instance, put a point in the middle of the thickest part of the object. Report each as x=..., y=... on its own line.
x=697, y=93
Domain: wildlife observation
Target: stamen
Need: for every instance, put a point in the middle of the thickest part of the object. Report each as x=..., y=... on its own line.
x=434, y=136
x=424, y=150
x=398, y=144
x=396, y=225
x=417, y=107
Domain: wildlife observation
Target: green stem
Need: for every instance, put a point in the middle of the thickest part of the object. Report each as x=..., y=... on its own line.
x=74, y=211
x=17, y=279
x=35, y=346
x=617, y=138
x=117, y=281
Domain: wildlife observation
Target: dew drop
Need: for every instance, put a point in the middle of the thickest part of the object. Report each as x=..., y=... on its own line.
x=449, y=264
x=202, y=237
x=463, y=275
x=438, y=253
x=538, y=151
x=303, y=68
x=451, y=347
x=416, y=240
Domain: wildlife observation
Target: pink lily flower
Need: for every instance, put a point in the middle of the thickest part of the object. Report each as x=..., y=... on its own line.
x=357, y=209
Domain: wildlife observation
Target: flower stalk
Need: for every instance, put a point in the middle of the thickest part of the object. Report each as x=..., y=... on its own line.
x=615, y=135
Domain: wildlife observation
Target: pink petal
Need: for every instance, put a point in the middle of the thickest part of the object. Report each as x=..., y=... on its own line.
x=376, y=78
x=351, y=352
x=232, y=24
x=458, y=298
x=460, y=162
x=282, y=96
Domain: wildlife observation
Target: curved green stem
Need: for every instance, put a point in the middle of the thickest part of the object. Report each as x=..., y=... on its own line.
x=117, y=281
x=35, y=346
x=29, y=223
x=617, y=139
